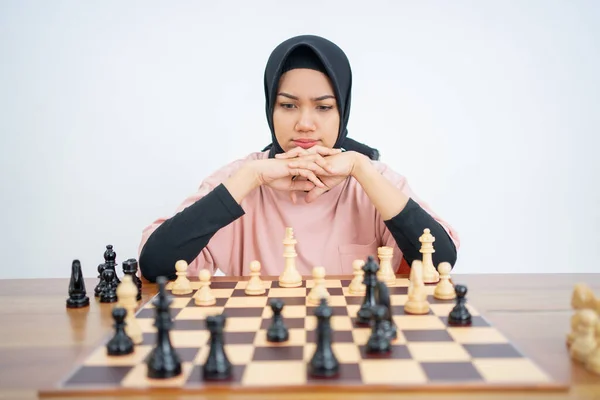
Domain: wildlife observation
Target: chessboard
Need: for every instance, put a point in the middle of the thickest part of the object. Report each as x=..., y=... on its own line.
x=428, y=353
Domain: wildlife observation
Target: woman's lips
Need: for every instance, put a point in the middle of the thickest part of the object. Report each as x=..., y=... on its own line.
x=305, y=144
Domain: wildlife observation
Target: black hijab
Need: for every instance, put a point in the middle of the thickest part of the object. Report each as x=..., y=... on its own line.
x=308, y=51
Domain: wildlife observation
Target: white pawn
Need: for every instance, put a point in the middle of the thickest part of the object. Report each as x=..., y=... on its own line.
x=204, y=296
x=255, y=285
x=357, y=286
x=126, y=294
x=585, y=341
x=430, y=275
x=182, y=284
x=386, y=272
x=444, y=290
x=319, y=291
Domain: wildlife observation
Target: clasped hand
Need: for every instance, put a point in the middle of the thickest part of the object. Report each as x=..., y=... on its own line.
x=315, y=170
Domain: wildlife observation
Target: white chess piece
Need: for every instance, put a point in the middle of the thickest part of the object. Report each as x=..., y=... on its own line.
x=182, y=284
x=126, y=294
x=585, y=340
x=204, y=296
x=444, y=290
x=386, y=272
x=290, y=277
x=417, y=296
x=430, y=275
x=255, y=286
x=357, y=286
x=319, y=291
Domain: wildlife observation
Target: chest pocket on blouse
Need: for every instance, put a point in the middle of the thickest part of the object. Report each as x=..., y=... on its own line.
x=350, y=252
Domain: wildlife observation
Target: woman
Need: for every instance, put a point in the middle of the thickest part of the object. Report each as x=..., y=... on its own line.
x=341, y=202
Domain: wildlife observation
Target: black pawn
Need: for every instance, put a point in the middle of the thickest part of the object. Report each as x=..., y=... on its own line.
x=100, y=286
x=109, y=290
x=110, y=262
x=383, y=299
x=120, y=344
x=277, y=332
x=77, y=294
x=130, y=267
x=163, y=362
x=379, y=342
x=370, y=280
x=217, y=365
x=460, y=315
x=323, y=363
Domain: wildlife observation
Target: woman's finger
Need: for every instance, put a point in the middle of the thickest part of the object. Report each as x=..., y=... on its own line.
x=308, y=175
x=310, y=165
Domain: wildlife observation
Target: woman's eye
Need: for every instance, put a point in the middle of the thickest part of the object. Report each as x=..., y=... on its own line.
x=286, y=105
x=325, y=108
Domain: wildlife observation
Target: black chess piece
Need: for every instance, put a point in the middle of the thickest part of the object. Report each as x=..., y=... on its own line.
x=110, y=262
x=324, y=363
x=217, y=365
x=379, y=342
x=100, y=286
x=370, y=281
x=460, y=315
x=120, y=344
x=77, y=294
x=383, y=299
x=277, y=332
x=130, y=267
x=163, y=361
x=109, y=291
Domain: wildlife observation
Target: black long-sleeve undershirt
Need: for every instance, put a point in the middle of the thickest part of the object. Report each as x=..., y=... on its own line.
x=183, y=236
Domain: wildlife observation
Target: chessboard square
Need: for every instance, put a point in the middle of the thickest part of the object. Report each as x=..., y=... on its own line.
x=290, y=323
x=476, y=321
x=329, y=283
x=492, y=350
x=196, y=377
x=451, y=371
x=242, y=293
x=352, y=310
x=398, y=290
x=346, y=293
x=138, y=377
x=150, y=312
x=188, y=338
x=427, y=335
x=237, y=338
x=338, y=323
x=282, y=293
x=237, y=354
x=224, y=285
x=421, y=322
x=336, y=336
x=335, y=310
x=361, y=335
x=189, y=325
x=266, y=373
x=398, y=299
x=222, y=293
x=196, y=312
x=354, y=300
x=235, y=312
x=241, y=285
x=384, y=371
x=438, y=351
x=146, y=324
x=101, y=375
x=444, y=309
x=288, y=311
x=297, y=337
x=344, y=352
x=100, y=358
x=474, y=335
x=180, y=302
x=398, y=351
x=510, y=370
x=347, y=372
x=242, y=324
x=332, y=301
x=248, y=301
x=278, y=353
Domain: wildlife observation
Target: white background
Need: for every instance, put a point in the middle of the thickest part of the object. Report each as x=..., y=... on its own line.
x=112, y=112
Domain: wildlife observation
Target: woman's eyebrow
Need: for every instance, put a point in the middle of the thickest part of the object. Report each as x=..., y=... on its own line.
x=324, y=97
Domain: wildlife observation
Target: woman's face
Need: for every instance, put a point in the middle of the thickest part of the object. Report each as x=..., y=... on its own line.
x=305, y=112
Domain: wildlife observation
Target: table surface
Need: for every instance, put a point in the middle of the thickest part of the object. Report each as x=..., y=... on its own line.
x=41, y=340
